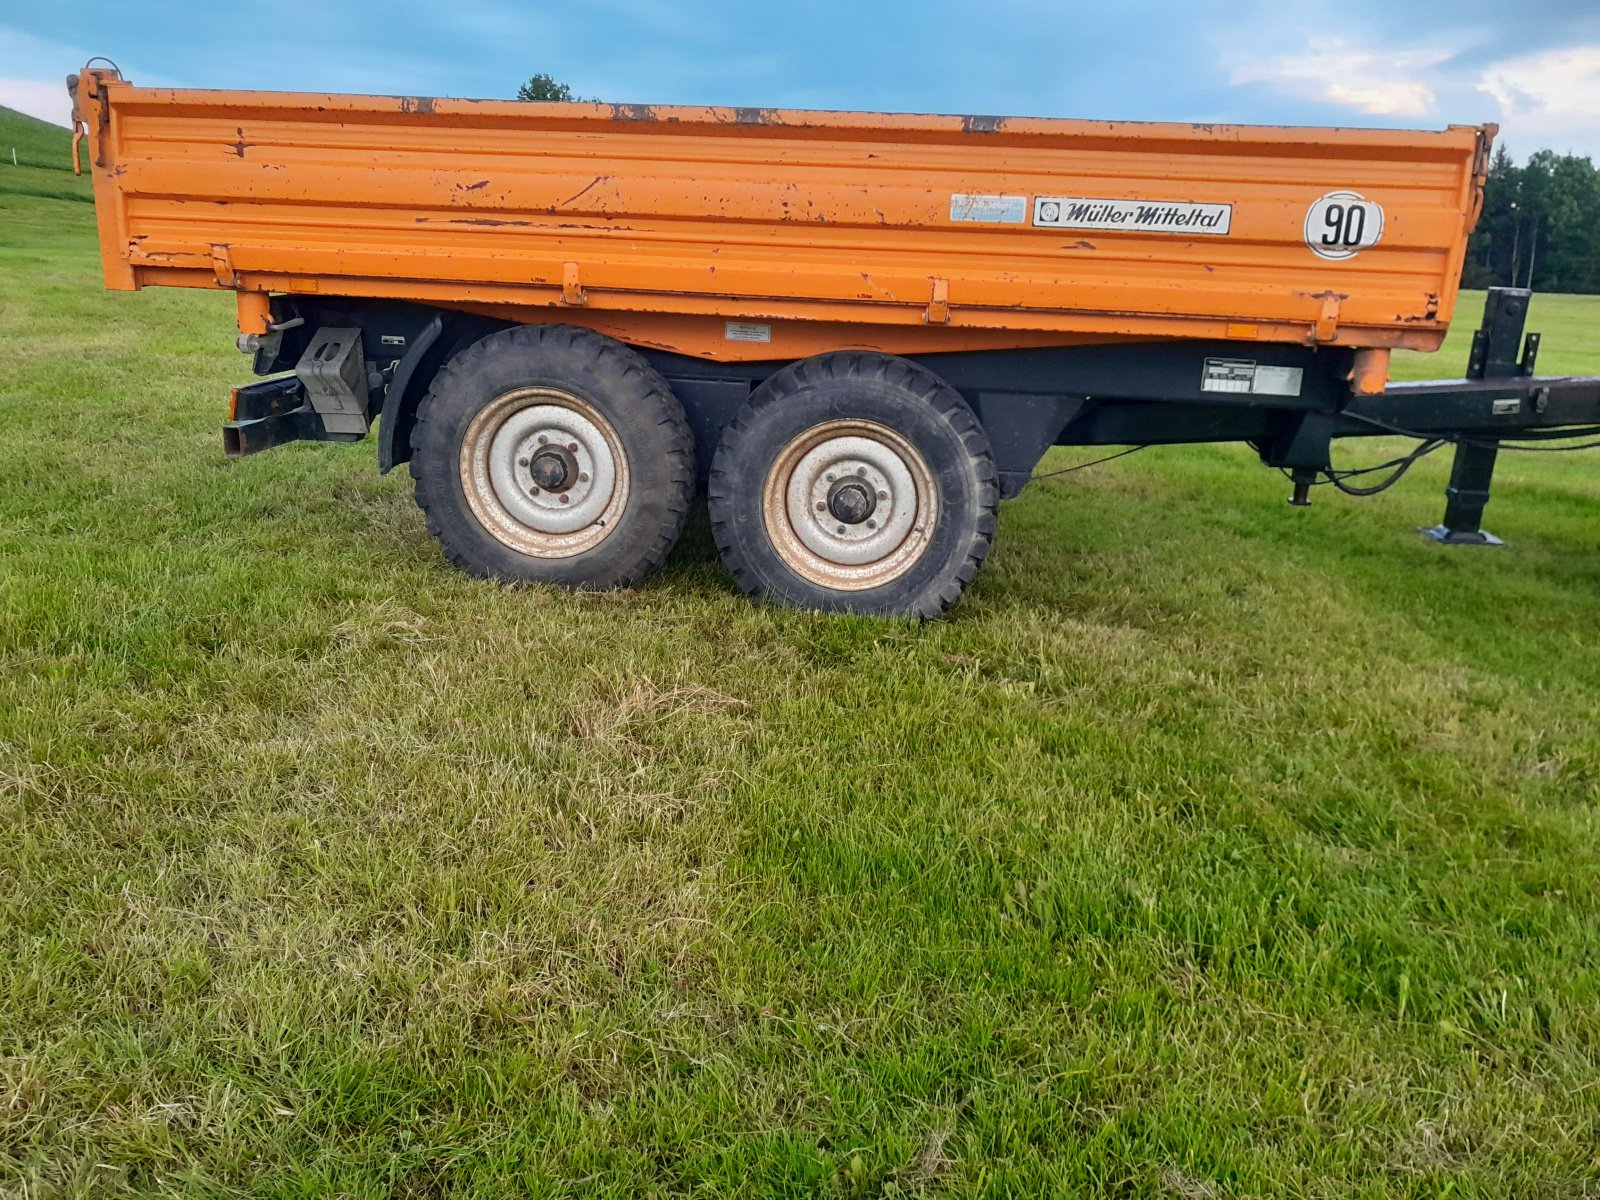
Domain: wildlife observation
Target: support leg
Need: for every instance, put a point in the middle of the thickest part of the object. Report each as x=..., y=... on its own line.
x=1465, y=497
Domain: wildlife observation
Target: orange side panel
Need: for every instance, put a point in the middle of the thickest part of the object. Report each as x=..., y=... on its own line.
x=737, y=234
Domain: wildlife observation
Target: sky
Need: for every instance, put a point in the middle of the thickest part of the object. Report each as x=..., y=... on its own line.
x=1533, y=66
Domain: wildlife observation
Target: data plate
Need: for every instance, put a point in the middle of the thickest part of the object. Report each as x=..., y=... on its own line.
x=1246, y=377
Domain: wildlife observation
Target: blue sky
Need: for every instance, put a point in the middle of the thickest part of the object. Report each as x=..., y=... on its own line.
x=1533, y=65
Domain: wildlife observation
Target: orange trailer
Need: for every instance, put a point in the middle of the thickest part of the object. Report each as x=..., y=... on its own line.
x=860, y=330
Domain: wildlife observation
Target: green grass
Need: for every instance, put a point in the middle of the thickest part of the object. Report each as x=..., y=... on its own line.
x=1211, y=847
x=44, y=161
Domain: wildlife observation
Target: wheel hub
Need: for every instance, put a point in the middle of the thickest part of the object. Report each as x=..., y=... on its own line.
x=553, y=469
x=850, y=500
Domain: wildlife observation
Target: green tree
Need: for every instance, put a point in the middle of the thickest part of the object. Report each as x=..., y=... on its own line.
x=544, y=87
x=1540, y=225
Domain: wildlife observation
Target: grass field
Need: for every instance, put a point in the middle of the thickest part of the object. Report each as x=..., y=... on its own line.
x=1210, y=848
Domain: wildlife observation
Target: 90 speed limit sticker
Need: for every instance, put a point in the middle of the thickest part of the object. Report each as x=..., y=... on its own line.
x=1342, y=224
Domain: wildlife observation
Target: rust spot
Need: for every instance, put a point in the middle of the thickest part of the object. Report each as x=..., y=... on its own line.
x=755, y=116
x=1080, y=244
x=240, y=146
x=479, y=221
x=473, y=187
x=982, y=124
x=418, y=104
x=633, y=112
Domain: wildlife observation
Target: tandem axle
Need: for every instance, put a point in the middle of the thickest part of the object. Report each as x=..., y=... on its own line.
x=358, y=362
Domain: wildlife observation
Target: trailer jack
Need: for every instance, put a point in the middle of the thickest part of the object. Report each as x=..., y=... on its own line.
x=1494, y=355
x=1465, y=497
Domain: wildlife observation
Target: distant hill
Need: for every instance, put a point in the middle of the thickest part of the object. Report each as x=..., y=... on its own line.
x=37, y=143
x=44, y=159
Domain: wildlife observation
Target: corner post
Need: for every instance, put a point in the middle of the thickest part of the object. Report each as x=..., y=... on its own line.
x=1495, y=346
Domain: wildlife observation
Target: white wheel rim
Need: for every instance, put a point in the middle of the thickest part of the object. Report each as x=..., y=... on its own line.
x=871, y=475
x=523, y=431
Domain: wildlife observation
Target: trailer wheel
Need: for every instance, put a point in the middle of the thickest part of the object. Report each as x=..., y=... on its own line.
x=854, y=482
x=552, y=454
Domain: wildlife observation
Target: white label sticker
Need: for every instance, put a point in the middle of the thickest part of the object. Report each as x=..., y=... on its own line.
x=1246, y=377
x=1005, y=210
x=1277, y=381
x=1133, y=216
x=746, y=331
x=1341, y=224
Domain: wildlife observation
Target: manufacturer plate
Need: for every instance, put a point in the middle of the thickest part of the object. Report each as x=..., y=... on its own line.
x=1246, y=377
x=746, y=331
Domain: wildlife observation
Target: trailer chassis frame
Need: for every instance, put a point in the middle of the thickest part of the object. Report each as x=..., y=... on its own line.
x=1120, y=394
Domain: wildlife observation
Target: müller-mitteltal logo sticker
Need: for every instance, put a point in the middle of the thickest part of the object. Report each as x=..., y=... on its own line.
x=1132, y=216
x=1341, y=224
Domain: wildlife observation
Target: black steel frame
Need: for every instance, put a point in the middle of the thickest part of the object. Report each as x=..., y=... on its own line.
x=1128, y=393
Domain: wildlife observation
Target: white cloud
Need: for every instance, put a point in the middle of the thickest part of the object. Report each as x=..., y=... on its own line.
x=1336, y=71
x=1550, y=99
x=34, y=70
x=38, y=98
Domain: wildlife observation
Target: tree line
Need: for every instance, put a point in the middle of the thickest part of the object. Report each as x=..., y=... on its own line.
x=1540, y=226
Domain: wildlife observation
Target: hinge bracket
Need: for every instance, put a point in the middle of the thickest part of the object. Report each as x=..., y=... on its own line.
x=222, y=266
x=938, y=310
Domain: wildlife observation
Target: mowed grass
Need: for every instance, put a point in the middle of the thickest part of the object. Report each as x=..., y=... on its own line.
x=1210, y=848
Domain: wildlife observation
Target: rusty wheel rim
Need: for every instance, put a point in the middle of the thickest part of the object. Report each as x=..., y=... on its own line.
x=544, y=472
x=849, y=505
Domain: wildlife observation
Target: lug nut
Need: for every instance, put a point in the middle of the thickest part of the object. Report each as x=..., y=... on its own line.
x=583, y=477
x=882, y=495
x=566, y=499
x=522, y=462
x=543, y=441
x=821, y=507
x=830, y=477
x=872, y=524
x=573, y=447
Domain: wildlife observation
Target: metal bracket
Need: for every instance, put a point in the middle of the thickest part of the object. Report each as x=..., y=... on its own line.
x=335, y=379
x=938, y=310
x=571, y=289
x=1530, y=353
x=1328, y=318
x=222, y=266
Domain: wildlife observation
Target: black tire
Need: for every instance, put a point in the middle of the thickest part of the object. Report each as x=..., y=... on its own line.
x=641, y=438
x=762, y=468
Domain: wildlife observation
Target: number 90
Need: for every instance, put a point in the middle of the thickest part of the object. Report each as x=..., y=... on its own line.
x=1342, y=223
